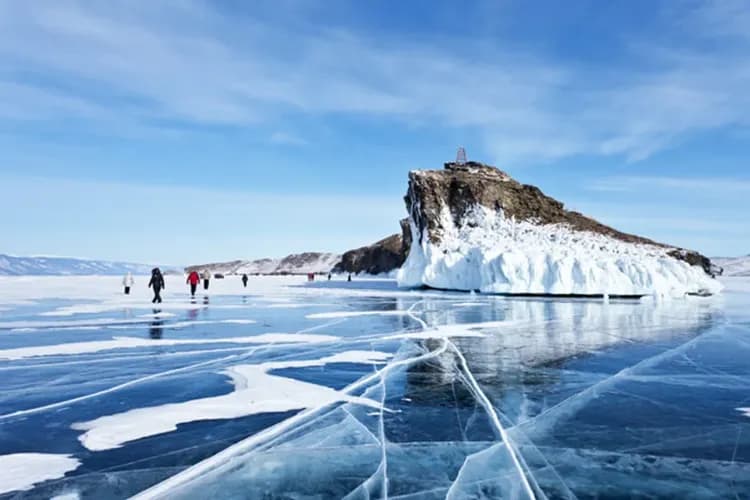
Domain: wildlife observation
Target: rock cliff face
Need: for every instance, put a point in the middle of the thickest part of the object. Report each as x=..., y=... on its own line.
x=383, y=256
x=474, y=227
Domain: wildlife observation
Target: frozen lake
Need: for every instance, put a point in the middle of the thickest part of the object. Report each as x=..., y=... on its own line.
x=360, y=390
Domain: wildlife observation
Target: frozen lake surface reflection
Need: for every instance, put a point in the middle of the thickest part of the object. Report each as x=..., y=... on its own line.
x=359, y=390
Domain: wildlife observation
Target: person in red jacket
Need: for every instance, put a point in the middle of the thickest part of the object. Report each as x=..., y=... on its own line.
x=193, y=279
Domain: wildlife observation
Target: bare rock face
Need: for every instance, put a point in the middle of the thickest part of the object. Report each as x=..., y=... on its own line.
x=380, y=257
x=463, y=187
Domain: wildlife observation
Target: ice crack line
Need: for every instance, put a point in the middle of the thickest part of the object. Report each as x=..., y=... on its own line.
x=416, y=318
x=578, y=400
x=246, y=352
x=383, y=442
x=118, y=387
x=484, y=400
x=162, y=489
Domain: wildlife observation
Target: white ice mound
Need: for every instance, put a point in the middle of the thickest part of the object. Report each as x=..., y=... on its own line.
x=494, y=254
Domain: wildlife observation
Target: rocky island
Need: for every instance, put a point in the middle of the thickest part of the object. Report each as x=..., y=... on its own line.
x=473, y=227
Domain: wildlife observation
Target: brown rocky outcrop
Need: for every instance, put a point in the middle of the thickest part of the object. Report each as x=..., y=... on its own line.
x=380, y=257
x=462, y=187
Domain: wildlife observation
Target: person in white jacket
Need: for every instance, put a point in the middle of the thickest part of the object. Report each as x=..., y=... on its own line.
x=206, y=276
x=127, y=282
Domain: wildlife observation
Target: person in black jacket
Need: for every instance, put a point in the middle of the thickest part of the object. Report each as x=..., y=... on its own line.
x=157, y=283
x=244, y=280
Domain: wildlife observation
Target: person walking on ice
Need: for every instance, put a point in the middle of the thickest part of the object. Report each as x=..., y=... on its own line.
x=193, y=279
x=127, y=282
x=157, y=283
x=244, y=280
x=206, y=277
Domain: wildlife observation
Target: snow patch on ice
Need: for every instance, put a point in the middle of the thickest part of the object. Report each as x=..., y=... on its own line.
x=454, y=330
x=353, y=314
x=72, y=495
x=193, y=322
x=255, y=391
x=341, y=357
x=494, y=254
x=86, y=323
x=21, y=471
x=134, y=342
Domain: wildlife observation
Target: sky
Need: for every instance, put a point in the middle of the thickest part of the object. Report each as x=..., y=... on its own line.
x=191, y=131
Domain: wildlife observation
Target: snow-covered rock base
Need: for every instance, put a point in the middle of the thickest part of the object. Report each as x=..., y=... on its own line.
x=494, y=254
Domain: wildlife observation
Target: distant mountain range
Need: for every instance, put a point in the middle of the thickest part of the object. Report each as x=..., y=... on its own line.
x=298, y=263
x=66, y=266
x=734, y=266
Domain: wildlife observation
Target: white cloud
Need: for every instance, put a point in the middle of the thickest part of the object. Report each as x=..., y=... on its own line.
x=286, y=138
x=693, y=185
x=145, y=62
x=703, y=223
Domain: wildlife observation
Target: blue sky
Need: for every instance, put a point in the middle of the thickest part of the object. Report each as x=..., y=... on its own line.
x=191, y=131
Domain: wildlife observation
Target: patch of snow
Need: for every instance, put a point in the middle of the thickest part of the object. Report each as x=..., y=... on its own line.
x=456, y=330
x=255, y=391
x=72, y=495
x=494, y=254
x=354, y=314
x=133, y=342
x=21, y=471
x=341, y=357
x=95, y=322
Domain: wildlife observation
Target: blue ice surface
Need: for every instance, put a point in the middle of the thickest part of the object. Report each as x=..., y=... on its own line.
x=556, y=399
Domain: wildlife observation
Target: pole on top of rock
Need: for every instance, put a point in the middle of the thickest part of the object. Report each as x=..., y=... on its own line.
x=461, y=156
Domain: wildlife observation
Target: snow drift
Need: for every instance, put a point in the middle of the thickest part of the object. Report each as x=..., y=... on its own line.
x=475, y=228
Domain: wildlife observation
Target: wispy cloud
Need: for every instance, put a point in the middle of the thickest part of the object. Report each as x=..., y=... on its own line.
x=154, y=62
x=702, y=223
x=713, y=185
x=286, y=138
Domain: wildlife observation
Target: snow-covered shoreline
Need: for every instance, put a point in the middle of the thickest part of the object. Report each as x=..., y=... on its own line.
x=494, y=254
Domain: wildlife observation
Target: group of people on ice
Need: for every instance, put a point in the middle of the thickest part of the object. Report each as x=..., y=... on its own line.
x=193, y=279
x=156, y=283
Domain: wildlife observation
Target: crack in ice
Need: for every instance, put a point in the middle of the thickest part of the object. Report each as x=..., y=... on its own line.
x=490, y=409
x=223, y=457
